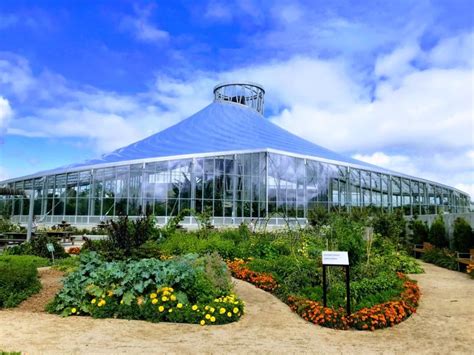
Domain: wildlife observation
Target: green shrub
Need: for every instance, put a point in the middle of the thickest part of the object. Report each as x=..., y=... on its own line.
x=437, y=234
x=37, y=246
x=420, y=231
x=318, y=216
x=391, y=225
x=7, y=226
x=18, y=278
x=67, y=265
x=463, y=238
x=347, y=235
x=295, y=275
x=365, y=292
x=441, y=257
x=399, y=262
x=126, y=235
x=127, y=239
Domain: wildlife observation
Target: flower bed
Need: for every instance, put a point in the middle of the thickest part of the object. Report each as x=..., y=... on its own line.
x=188, y=289
x=262, y=280
x=379, y=316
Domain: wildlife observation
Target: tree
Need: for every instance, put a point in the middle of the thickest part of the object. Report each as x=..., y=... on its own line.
x=437, y=234
x=420, y=231
x=462, y=235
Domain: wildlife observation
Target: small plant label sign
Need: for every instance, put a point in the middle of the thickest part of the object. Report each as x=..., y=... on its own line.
x=335, y=258
x=50, y=247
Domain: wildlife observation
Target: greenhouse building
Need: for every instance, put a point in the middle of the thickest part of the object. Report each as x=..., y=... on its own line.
x=229, y=161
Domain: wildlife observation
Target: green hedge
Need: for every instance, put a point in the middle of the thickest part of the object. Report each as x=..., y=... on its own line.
x=19, y=278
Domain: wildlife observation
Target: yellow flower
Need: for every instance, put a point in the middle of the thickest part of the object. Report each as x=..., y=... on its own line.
x=173, y=298
x=166, y=293
x=110, y=293
x=206, y=308
x=73, y=310
x=202, y=322
x=213, y=319
x=212, y=309
x=153, y=295
x=161, y=308
x=179, y=305
x=208, y=316
x=164, y=298
x=229, y=314
x=154, y=301
x=194, y=307
x=235, y=310
x=121, y=301
x=222, y=310
x=170, y=310
x=93, y=301
x=100, y=304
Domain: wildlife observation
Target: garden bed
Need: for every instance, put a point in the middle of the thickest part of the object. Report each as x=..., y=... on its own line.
x=188, y=289
x=379, y=316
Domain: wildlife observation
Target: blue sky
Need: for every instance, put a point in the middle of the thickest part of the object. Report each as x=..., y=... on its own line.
x=389, y=82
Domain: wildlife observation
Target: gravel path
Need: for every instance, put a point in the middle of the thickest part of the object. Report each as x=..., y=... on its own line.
x=443, y=324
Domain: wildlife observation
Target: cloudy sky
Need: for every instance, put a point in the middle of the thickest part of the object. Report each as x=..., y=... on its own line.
x=388, y=82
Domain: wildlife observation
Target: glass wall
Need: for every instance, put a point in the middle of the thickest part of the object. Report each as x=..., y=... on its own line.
x=229, y=187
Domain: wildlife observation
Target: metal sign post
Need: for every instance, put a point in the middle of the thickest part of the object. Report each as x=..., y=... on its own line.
x=337, y=258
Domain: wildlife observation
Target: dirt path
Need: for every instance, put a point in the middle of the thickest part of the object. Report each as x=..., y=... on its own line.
x=51, y=282
x=443, y=324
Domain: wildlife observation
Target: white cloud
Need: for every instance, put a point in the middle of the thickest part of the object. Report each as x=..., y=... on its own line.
x=228, y=11
x=468, y=188
x=218, y=11
x=5, y=115
x=454, y=52
x=447, y=168
x=142, y=28
x=397, y=63
x=398, y=163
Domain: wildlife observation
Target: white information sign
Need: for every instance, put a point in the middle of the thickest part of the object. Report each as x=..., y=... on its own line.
x=335, y=258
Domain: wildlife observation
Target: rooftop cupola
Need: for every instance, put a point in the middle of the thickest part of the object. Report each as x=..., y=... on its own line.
x=243, y=93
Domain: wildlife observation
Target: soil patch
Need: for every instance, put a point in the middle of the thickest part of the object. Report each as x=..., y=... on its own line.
x=443, y=324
